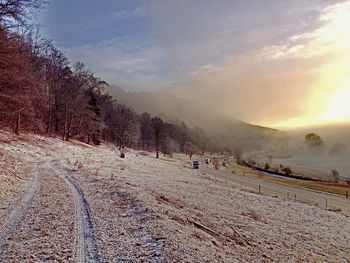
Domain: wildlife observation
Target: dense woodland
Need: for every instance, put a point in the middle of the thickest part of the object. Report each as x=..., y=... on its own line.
x=42, y=92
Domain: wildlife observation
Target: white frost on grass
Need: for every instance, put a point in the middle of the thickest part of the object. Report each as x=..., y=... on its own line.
x=246, y=227
x=195, y=217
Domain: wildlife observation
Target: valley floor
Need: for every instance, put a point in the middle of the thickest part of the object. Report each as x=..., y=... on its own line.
x=72, y=202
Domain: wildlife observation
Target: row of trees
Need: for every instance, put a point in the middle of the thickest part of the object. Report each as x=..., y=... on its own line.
x=41, y=91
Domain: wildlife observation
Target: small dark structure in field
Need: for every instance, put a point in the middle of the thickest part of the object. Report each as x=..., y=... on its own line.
x=195, y=165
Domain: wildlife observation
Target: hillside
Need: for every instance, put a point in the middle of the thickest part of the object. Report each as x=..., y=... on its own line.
x=229, y=131
x=63, y=202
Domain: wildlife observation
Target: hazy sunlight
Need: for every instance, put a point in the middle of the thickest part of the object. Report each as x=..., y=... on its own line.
x=329, y=100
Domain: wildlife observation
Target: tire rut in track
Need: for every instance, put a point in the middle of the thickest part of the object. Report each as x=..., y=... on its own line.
x=86, y=244
x=10, y=225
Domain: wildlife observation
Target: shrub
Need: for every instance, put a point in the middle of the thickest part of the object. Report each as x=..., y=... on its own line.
x=335, y=176
x=287, y=170
x=313, y=140
x=267, y=166
x=216, y=164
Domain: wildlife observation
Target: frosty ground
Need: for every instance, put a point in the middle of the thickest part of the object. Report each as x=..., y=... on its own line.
x=73, y=202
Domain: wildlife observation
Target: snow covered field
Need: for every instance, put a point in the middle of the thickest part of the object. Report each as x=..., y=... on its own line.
x=68, y=201
x=323, y=164
x=317, y=166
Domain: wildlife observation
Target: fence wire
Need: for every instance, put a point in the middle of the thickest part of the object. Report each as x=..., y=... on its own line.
x=285, y=192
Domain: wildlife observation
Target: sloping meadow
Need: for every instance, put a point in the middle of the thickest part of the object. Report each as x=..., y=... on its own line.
x=161, y=210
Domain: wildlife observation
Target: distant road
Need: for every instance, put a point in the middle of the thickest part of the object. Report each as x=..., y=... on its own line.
x=285, y=191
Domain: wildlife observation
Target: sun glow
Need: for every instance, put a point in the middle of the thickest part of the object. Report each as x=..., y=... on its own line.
x=328, y=105
x=339, y=106
x=330, y=101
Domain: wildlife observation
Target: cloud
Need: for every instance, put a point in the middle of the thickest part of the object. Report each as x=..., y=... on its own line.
x=269, y=83
x=122, y=60
x=138, y=12
x=260, y=61
x=331, y=37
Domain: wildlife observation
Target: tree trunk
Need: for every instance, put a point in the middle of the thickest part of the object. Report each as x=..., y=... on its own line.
x=48, y=127
x=18, y=122
x=79, y=123
x=69, y=126
x=57, y=117
x=65, y=137
x=49, y=120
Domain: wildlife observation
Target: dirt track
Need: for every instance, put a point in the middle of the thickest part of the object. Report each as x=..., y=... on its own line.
x=9, y=225
x=85, y=240
x=54, y=222
x=39, y=229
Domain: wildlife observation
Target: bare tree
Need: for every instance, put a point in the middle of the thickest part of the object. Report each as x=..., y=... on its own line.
x=169, y=146
x=108, y=107
x=334, y=176
x=19, y=88
x=190, y=149
x=200, y=138
x=314, y=141
x=125, y=126
x=237, y=153
x=146, y=130
x=286, y=170
x=158, y=129
x=17, y=10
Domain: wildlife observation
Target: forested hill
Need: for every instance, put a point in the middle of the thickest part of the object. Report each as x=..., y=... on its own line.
x=41, y=92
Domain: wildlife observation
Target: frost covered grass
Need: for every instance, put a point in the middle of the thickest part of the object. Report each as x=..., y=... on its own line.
x=159, y=210
x=202, y=220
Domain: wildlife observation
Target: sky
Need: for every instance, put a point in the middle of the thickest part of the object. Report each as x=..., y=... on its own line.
x=276, y=63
